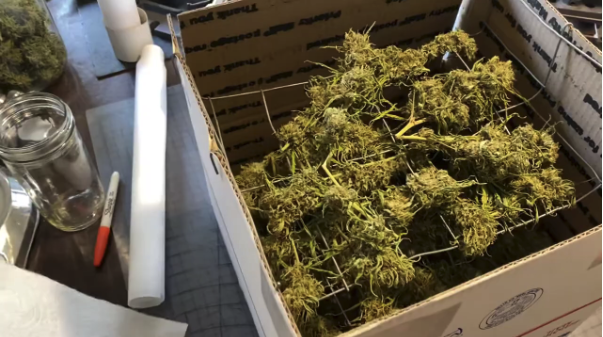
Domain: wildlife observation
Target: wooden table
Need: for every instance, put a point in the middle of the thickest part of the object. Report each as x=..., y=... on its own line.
x=67, y=257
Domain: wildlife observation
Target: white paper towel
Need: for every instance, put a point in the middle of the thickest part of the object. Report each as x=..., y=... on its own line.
x=146, y=277
x=32, y=305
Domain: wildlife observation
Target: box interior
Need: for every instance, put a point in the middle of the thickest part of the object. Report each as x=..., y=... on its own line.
x=254, y=71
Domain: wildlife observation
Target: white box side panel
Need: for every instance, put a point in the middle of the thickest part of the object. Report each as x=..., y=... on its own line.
x=238, y=238
x=572, y=93
x=512, y=31
x=537, y=294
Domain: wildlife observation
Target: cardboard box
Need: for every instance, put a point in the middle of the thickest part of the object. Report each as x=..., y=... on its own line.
x=254, y=46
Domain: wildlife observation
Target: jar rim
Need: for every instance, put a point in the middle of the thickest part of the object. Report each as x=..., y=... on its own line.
x=28, y=152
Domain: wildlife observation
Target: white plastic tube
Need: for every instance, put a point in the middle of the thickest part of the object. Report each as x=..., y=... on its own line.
x=146, y=279
x=119, y=14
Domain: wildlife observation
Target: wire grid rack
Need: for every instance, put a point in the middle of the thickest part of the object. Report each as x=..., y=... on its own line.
x=416, y=257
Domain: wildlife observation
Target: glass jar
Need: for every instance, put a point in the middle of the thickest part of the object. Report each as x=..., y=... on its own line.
x=32, y=54
x=44, y=151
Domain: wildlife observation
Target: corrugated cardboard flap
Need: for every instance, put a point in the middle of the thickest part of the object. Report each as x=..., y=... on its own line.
x=253, y=275
x=562, y=274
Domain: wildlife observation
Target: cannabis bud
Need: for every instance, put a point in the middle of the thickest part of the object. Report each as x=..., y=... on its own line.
x=347, y=200
x=31, y=55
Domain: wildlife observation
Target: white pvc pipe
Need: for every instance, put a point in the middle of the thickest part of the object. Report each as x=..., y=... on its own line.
x=146, y=280
x=119, y=14
x=128, y=42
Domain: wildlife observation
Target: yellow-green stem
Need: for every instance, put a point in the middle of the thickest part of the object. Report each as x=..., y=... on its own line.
x=410, y=125
x=416, y=138
x=326, y=169
x=294, y=249
x=357, y=207
x=292, y=162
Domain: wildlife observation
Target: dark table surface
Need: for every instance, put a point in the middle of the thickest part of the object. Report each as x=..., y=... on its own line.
x=67, y=257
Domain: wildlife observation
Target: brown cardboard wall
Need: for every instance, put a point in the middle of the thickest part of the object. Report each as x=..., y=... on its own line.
x=533, y=47
x=247, y=46
x=572, y=92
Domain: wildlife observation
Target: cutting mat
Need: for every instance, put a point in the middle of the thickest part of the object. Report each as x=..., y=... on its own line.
x=201, y=285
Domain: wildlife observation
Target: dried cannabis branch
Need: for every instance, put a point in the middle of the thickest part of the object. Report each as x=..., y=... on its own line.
x=433, y=188
x=302, y=291
x=30, y=54
x=287, y=205
x=518, y=166
x=478, y=223
x=341, y=202
x=459, y=99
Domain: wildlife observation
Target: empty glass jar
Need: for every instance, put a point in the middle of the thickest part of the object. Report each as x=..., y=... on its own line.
x=44, y=152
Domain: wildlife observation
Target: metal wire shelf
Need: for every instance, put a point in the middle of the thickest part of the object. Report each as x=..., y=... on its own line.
x=416, y=257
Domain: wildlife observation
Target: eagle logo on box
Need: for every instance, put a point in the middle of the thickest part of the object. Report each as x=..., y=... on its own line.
x=511, y=308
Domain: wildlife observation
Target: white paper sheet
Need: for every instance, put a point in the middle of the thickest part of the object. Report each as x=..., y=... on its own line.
x=32, y=305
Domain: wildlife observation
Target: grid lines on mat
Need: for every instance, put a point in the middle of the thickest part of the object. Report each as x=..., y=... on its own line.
x=201, y=285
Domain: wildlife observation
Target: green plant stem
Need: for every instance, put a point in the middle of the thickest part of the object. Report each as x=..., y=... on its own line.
x=326, y=169
x=410, y=125
x=378, y=162
x=292, y=162
x=294, y=249
x=354, y=205
x=414, y=138
x=357, y=207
